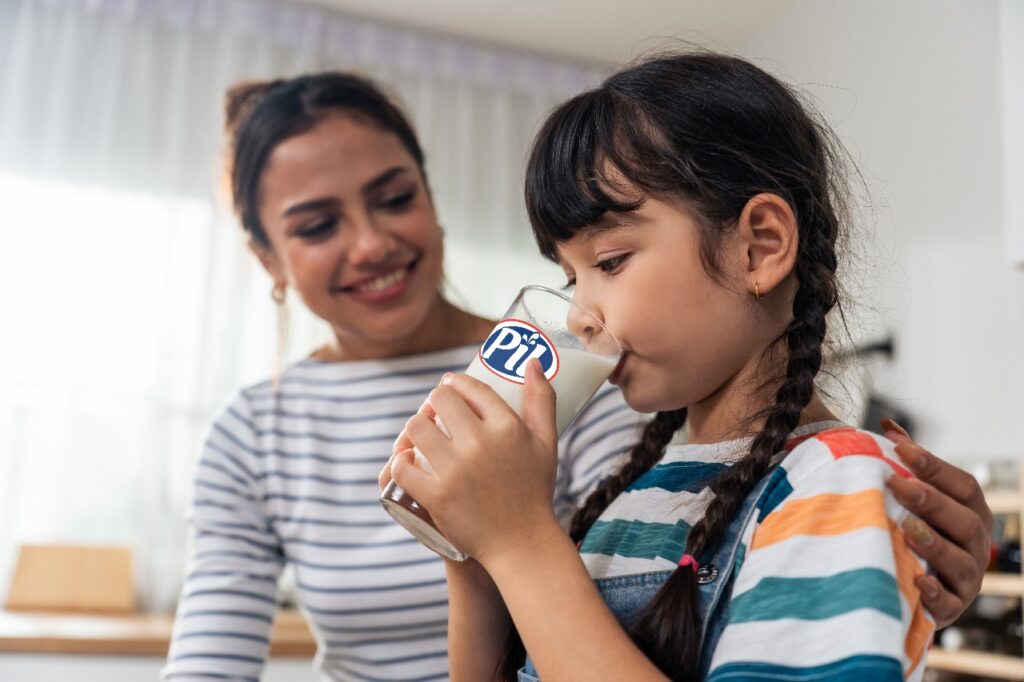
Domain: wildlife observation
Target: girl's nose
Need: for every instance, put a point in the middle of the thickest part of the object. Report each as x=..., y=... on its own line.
x=581, y=324
x=586, y=322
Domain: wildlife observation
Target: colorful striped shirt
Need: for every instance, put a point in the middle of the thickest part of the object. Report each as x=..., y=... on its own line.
x=824, y=585
x=291, y=478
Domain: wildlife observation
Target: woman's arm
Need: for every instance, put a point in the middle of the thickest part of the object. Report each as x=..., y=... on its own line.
x=229, y=599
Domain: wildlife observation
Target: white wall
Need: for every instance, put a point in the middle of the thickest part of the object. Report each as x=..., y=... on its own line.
x=914, y=88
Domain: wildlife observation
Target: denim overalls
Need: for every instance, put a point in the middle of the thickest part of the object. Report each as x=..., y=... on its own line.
x=627, y=595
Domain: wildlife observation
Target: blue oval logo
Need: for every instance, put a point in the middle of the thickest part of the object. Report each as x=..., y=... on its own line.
x=512, y=344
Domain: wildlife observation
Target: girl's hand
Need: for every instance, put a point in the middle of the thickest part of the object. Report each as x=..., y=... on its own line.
x=957, y=538
x=492, y=481
x=402, y=443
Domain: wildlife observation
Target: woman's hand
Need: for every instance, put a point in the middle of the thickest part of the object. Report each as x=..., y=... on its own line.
x=956, y=540
x=492, y=481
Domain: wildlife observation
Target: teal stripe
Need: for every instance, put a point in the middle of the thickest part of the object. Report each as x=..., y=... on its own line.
x=741, y=555
x=852, y=669
x=679, y=476
x=777, y=490
x=818, y=598
x=636, y=539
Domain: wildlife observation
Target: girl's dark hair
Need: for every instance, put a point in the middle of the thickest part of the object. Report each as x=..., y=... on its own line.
x=712, y=131
x=260, y=115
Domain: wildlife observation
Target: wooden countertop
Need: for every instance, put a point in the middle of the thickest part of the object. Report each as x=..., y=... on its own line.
x=136, y=635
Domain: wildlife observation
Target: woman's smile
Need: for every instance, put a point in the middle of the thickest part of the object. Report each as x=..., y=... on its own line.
x=381, y=287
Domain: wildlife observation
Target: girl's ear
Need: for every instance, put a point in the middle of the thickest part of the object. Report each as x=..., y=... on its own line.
x=768, y=229
x=270, y=262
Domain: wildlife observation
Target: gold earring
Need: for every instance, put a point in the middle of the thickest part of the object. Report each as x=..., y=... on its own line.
x=757, y=291
x=278, y=294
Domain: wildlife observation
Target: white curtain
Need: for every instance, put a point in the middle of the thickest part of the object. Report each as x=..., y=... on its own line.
x=130, y=310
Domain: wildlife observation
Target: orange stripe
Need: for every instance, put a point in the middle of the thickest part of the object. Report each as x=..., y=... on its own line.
x=825, y=514
x=850, y=442
x=793, y=442
x=919, y=634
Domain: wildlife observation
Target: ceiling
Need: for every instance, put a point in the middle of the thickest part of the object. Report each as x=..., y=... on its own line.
x=587, y=30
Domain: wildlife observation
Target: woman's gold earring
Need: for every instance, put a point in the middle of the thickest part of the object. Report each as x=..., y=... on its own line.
x=757, y=291
x=278, y=293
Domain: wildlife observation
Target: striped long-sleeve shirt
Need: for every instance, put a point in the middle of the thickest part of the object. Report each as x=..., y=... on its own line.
x=291, y=477
x=824, y=588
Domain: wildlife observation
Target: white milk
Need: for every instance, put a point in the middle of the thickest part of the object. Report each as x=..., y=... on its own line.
x=579, y=376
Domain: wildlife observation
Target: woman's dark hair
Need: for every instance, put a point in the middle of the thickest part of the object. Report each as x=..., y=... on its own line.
x=260, y=115
x=712, y=131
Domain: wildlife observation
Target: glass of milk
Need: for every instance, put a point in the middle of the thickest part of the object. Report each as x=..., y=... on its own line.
x=577, y=354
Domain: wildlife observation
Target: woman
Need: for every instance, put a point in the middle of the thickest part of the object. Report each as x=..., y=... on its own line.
x=328, y=181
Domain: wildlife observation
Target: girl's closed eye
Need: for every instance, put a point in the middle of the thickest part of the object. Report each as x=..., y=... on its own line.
x=611, y=266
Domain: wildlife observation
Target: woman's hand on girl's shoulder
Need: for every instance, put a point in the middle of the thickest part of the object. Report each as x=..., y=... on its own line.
x=492, y=480
x=958, y=537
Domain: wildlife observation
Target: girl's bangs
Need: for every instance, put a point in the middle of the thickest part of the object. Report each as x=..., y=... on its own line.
x=568, y=187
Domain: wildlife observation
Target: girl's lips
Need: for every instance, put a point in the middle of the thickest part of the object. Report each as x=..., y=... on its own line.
x=617, y=372
x=389, y=292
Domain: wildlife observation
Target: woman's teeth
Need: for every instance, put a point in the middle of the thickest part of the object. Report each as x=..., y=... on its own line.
x=383, y=282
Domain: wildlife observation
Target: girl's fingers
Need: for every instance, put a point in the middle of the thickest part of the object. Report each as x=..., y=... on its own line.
x=539, y=404
x=384, y=477
x=403, y=442
x=454, y=411
x=428, y=439
x=416, y=482
x=481, y=398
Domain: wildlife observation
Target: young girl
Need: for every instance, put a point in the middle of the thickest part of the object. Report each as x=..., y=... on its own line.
x=696, y=208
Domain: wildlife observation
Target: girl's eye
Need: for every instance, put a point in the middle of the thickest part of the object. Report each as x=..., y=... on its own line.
x=318, y=229
x=569, y=285
x=398, y=201
x=611, y=265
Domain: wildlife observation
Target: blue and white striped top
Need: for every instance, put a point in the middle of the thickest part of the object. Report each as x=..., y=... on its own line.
x=291, y=478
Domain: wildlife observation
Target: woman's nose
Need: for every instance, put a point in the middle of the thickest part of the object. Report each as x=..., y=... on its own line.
x=369, y=243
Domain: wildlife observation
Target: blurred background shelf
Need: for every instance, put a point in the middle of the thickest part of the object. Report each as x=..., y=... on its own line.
x=977, y=663
x=1003, y=585
x=1005, y=501
x=131, y=635
x=1008, y=506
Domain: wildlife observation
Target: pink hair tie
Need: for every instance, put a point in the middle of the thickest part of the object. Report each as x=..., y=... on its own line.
x=688, y=560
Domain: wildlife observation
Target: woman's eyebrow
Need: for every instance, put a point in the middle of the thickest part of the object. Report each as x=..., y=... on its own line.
x=321, y=203
x=311, y=205
x=384, y=178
